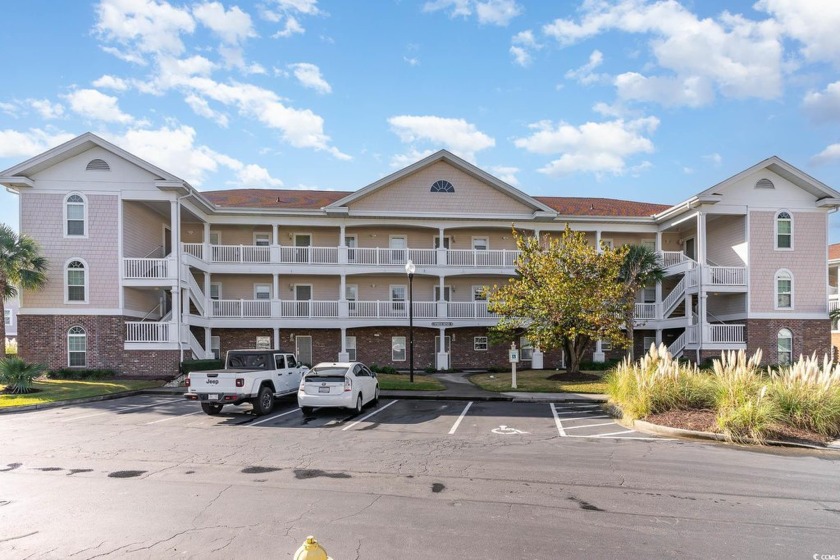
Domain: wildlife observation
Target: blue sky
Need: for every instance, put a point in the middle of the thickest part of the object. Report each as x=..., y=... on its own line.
x=643, y=100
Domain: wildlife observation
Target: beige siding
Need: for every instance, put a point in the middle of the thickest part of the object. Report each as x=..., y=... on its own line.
x=320, y=237
x=240, y=286
x=42, y=218
x=726, y=304
x=806, y=262
x=412, y=194
x=142, y=230
x=142, y=301
x=726, y=241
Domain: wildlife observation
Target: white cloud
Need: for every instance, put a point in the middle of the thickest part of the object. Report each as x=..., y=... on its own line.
x=16, y=144
x=505, y=173
x=494, y=12
x=413, y=155
x=592, y=147
x=111, y=82
x=146, y=25
x=292, y=27
x=813, y=24
x=46, y=108
x=741, y=58
x=291, y=10
x=521, y=46
x=824, y=105
x=255, y=177
x=94, y=104
x=11, y=109
x=413, y=61
x=308, y=7
x=127, y=56
x=233, y=26
x=457, y=135
x=829, y=155
x=309, y=76
x=200, y=106
x=714, y=158
x=585, y=74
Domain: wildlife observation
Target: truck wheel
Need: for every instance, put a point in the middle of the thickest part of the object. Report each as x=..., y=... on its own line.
x=211, y=409
x=306, y=410
x=264, y=401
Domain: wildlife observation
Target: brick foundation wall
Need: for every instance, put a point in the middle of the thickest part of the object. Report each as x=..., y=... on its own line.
x=809, y=335
x=43, y=339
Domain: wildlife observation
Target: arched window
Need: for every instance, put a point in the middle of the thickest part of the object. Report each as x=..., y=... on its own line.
x=784, y=346
x=75, y=214
x=76, y=347
x=76, y=291
x=784, y=230
x=784, y=289
x=442, y=186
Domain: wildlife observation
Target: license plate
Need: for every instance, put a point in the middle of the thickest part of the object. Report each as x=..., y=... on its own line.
x=323, y=389
x=212, y=397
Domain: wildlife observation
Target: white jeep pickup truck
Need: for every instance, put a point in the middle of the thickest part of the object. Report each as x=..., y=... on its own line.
x=254, y=376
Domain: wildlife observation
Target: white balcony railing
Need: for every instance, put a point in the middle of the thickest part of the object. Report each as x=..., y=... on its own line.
x=833, y=304
x=309, y=309
x=673, y=258
x=149, y=331
x=391, y=309
x=241, y=308
x=727, y=275
x=726, y=333
x=310, y=255
x=147, y=269
x=469, y=310
x=240, y=254
x=486, y=258
x=645, y=311
x=194, y=249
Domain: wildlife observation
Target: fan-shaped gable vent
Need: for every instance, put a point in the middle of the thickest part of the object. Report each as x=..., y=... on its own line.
x=98, y=165
x=765, y=184
x=442, y=186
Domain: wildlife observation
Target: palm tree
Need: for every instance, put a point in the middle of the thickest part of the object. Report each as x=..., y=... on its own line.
x=18, y=376
x=21, y=266
x=641, y=267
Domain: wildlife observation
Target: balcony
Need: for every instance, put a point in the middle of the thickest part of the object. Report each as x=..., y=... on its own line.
x=373, y=257
x=149, y=332
x=142, y=272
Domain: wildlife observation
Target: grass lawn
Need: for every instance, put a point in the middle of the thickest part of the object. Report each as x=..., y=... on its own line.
x=53, y=390
x=537, y=381
x=399, y=382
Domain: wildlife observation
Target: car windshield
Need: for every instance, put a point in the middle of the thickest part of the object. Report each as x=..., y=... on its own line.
x=248, y=361
x=327, y=371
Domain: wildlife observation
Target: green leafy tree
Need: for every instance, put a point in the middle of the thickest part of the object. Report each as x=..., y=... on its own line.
x=565, y=295
x=640, y=268
x=18, y=376
x=21, y=266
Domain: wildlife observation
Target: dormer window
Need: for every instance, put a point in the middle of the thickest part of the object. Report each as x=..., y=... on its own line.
x=98, y=165
x=765, y=184
x=442, y=186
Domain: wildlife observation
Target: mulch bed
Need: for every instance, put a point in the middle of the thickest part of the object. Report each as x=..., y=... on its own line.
x=704, y=421
x=574, y=377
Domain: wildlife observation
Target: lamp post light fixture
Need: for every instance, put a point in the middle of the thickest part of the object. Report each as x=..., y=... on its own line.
x=409, y=269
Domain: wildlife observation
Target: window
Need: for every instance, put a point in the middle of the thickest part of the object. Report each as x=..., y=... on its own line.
x=647, y=342
x=784, y=290
x=8, y=317
x=351, y=294
x=350, y=345
x=447, y=241
x=351, y=241
x=76, y=347
x=216, y=290
x=442, y=186
x=526, y=351
x=398, y=245
x=75, y=210
x=262, y=239
x=606, y=345
x=398, y=348
x=76, y=286
x=398, y=298
x=784, y=346
x=447, y=291
x=215, y=238
x=784, y=231
x=262, y=291
x=649, y=293
x=215, y=346
x=608, y=243
x=480, y=243
x=649, y=243
x=279, y=361
x=480, y=343
x=97, y=165
x=478, y=293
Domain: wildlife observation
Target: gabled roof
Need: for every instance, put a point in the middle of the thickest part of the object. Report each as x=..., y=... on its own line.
x=834, y=252
x=455, y=161
x=74, y=147
x=574, y=206
x=273, y=198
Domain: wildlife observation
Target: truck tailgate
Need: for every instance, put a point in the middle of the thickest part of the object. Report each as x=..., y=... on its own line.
x=213, y=382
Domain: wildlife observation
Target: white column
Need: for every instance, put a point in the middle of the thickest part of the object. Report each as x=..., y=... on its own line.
x=207, y=301
x=701, y=238
x=275, y=240
x=598, y=355
x=176, y=303
x=276, y=338
x=658, y=246
x=208, y=352
x=275, y=286
x=658, y=338
x=343, y=308
x=598, y=239
x=175, y=226
x=442, y=308
x=701, y=314
x=441, y=256
x=344, y=355
x=206, y=249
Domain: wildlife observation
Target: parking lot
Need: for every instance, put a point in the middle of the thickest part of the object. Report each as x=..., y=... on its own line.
x=465, y=419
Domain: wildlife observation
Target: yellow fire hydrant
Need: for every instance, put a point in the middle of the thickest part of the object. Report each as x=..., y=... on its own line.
x=311, y=550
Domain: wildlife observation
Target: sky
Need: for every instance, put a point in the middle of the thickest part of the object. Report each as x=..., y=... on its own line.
x=641, y=100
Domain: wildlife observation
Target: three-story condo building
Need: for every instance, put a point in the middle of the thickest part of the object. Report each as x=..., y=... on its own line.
x=145, y=270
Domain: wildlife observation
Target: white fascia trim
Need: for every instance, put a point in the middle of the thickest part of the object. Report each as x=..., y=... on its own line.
x=16, y=182
x=783, y=316
x=439, y=215
x=70, y=311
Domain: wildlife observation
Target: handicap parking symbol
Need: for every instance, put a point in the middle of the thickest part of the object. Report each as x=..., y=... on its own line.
x=507, y=431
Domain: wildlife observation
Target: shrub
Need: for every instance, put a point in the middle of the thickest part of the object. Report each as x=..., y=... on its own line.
x=430, y=369
x=498, y=369
x=743, y=408
x=73, y=373
x=387, y=369
x=808, y=395
x=200, y=365
x=750, y=418
x=375, y=368
x=599, y=366
x=18, y=376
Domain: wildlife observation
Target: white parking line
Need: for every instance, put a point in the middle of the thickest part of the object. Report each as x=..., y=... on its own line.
x=173, y=417
x=590, y=425
x=557, y=420
x=273, y=417
x=377, y=411
x=128, y=409
x=628, y=437
x=616, y=433
x=597, y=417
x=461, y=417
x=582, y=411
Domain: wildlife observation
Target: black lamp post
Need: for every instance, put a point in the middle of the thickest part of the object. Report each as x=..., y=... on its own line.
x=409, y=269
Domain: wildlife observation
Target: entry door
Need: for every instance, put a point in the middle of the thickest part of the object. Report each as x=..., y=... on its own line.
x=446, y=344
x=398, y=246
x=303, y=349
x=304, y=241
x=351, y=241
x=303, y=300
x=351, y=294
x=690, y=248
x=446, y=291
x=167, y=241
x=446, y=242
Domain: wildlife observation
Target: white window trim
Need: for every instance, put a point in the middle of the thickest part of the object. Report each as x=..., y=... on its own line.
x=311, y=292
x=486, y=239
x=86, y=221
x=776, y=277
x=219, y=284
x=403, y=237
x=476, y=343
x=646, y=342
x=302, y=234
x=7, y=314
x=67, y=286
x=218, y=236
x=258, y=285
x=348, y=346
x=262, y=234
x=606, y=345
x=391, y=292
x=67, y=336
x=351, y=287
x=216, y=345
x=436, y=289
x=524, y=344
x=405, y=349
x=776, y=231
x=790, y=332
x=475, y=288
x=437, y=237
